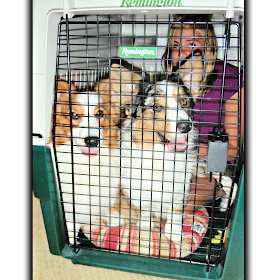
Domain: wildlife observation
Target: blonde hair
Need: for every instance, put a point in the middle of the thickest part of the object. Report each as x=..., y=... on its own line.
x=206, y=31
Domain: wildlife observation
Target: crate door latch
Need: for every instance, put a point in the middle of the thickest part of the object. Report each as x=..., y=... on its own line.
x=217, y=152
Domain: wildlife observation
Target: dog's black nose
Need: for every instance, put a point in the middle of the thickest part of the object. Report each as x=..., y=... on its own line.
x=184, y=126
x=91, y=141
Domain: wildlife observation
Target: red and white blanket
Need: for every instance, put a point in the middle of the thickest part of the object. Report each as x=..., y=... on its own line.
x=128, y=238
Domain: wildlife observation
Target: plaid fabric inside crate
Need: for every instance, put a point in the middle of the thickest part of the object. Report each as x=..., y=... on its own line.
x=128, y=238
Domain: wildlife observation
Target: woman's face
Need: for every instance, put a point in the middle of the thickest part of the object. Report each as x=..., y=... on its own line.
x=184, y=43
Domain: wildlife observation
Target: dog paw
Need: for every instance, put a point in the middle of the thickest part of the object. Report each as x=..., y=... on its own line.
x=72, y=235
x=223, y=204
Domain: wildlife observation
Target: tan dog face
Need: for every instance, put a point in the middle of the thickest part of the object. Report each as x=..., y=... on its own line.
x=93, y=120
x=158, y=116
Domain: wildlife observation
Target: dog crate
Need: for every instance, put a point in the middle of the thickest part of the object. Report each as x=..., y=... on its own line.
x=77, y=43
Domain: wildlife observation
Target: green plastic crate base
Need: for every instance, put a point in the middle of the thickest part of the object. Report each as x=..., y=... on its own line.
x=44, y=187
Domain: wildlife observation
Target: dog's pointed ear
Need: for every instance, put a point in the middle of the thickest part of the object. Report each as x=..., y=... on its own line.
x=62, y=96
x=63, y=87
x=124, y=83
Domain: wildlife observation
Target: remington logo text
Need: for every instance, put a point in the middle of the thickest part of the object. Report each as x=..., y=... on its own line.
x=151, y=3
x=146, y=52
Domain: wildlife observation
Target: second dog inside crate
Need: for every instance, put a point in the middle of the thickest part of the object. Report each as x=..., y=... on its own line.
x=90, y=147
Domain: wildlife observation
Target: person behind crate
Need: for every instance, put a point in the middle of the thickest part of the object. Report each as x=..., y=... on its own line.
x=192, y=35
x=185, y=39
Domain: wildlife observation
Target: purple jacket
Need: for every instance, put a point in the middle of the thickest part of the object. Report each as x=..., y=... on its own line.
x=207, y=116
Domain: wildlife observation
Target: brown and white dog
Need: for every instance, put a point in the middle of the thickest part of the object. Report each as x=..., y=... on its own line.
x=85, y=139
x=157, y=150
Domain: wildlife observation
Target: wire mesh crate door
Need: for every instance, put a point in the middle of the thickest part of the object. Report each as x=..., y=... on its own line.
x=155, y=117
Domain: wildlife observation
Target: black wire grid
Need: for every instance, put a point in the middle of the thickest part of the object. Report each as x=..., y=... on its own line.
x=86, y=48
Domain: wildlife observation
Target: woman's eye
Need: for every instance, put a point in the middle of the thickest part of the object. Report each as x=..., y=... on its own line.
x=74, y=116
x=99, y=114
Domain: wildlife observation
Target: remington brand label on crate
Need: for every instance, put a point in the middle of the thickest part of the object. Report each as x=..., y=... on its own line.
x=152, y=3
x=142, y=52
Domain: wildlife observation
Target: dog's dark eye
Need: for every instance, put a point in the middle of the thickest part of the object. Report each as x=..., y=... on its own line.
x=74, y=116
x=184, y=101
x=99, y=114
x=157, y=108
